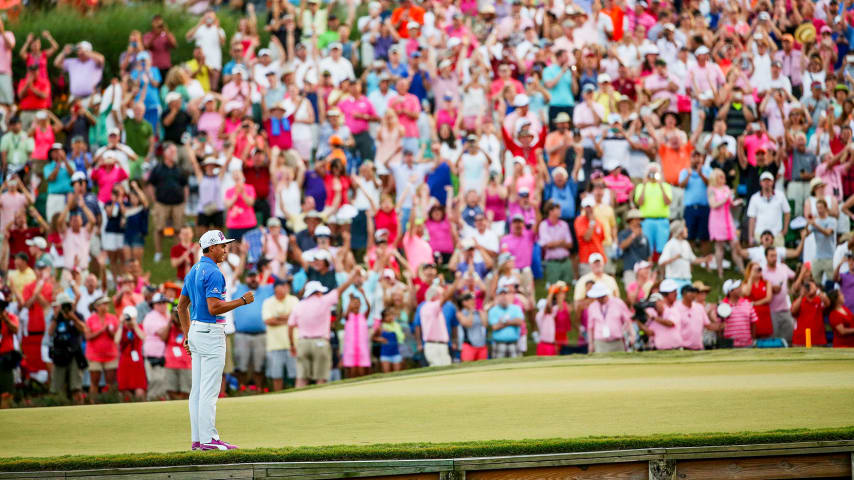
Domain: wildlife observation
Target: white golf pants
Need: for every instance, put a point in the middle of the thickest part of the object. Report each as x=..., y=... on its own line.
x=207, y=346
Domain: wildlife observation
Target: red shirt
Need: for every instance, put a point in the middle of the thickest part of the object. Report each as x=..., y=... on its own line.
x=329, y=183
x=36, y=322
x=27, y=100
x=594, y=245
x=7, y=340
x=176, y=252
x=416, y=14
x=388, y=221
x=18, y=243
x=176, y=356
x=845, y=319
x=283, y=140
x=259, y=178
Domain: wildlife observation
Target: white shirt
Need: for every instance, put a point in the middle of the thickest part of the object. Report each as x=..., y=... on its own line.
x=380, y=100
x=680, y=268
x=768, y=212
x=488, y=240
x=208, y=37
x=86, y=300
x=757, y=254
x=340, y=70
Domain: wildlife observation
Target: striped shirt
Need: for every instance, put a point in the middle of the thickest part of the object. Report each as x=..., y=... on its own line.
x=737, y=326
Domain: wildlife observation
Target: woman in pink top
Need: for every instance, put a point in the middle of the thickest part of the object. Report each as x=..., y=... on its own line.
x=721, y=227
x=356, y=354
x=43, y=133
x=101, y=349
x=441, y=232
x=389, y=141
x=32, y=53
x=107, y=175
x=210, y=121
x=240, y=217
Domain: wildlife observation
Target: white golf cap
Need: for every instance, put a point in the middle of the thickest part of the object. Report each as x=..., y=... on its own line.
x=41, y=115
x=37, y=242
x=766, y=176
x=85, y=46
x=731, y=285
x=313, y=287
x=78, y=176
x=641, y=265
x=603, y=78
x=265, y=51
x=116, y=131
x=172, y=96
x=129, y=311
x=668, y=286
x=412, y=25
x=598, y=290
x=595, y=257
x=701, y=50
x=389, y=273
x=521, y=100
x=322, y=231
x=588, y=201
x=213, y=237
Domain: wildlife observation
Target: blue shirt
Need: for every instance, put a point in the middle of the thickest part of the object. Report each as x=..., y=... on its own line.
x=561, y=93
x=498, y=314
x=250, y=320
x=62, y=183
x=695, y=189
x=565, y=197
x=204, y=281
x=437, y=180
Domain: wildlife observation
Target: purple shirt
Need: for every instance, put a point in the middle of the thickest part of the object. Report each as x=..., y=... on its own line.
x=520, y=246
x=846, y=284
x=82, y=76
x=552, y=233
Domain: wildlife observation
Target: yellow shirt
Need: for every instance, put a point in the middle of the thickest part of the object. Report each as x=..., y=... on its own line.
x=604, y=214
x=203, y=73
x=277, y=335
x=581, y=290
x=18, y=280
x=653, y=200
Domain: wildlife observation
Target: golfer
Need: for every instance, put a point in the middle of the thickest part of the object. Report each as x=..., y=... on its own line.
x=200, y=307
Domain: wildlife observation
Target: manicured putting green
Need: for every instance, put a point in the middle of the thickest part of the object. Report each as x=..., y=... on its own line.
x=654, y=393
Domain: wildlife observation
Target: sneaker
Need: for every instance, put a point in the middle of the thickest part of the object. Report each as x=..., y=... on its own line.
x=196, y=446
x=211, y=446
x=227, y=446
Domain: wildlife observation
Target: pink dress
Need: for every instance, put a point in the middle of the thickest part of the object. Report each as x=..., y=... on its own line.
x=720, y=220
x=357, y=345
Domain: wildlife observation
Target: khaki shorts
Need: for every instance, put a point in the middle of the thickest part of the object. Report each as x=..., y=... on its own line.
x=314, y=358
x=179, y=379
x=69, y=377
x=101, y=366
x=156, y=381
x=162, y=213
x=249, y=350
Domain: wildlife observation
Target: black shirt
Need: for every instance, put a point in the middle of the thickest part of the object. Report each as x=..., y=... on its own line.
x=168, y=183
x=180, y=124
x=305, y=240
x=750, y=176
x=729, y=167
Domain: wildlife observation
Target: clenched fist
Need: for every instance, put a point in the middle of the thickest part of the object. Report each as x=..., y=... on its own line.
x=249, y=297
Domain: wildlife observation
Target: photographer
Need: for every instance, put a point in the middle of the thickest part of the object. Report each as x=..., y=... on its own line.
x=66, y=332
x=131, y=372
x=179, y=374
x=156, y=325
x=9, y=357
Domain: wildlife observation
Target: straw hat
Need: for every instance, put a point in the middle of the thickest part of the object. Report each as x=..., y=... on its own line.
x=805, y=33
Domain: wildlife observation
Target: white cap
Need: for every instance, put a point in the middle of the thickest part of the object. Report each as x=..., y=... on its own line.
x=701, y=50
x=668, y=286
x=308, y=256
x=588, y=201
x=467, y=243
x=322, y=230
x=595, y=257
x=519, y=160
x=334, y=45
x=603, y=77
x=641, y=265
x=313, y=287
x=129, y=311
x=412, y=25
x=41, y=115
x=445, y=64
x=265, y=51
x=454, y=41
x=766, y=176
x=731, y=285
x=116, y=131
x=85, y=46
x=598, y=290
x=78, y=176
x=724, y=310
x=37, y=242
x=347, y=212
x=213, y=237
x=521, y=100
x=172, y=96
x=389, y=273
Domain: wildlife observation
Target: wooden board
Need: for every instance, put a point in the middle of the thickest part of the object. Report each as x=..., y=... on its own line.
x=622, y=471
x=778, y=468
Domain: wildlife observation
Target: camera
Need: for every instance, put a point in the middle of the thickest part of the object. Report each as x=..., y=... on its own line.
x=66, y=307
x=640, y=310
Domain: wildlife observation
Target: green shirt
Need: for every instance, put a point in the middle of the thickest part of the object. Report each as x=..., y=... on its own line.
x=18, y=148
x=137, y=136
x=653, y=200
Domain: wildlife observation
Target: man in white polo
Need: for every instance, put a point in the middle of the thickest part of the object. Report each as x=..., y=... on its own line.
x=768, y=210
x=202, y=301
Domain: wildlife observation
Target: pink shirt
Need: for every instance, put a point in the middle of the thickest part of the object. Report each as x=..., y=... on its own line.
x=656, y=81
x=433, y=326
x=153, y=345
x=352, y=106
x=752, y=143
x=75, y=248
x=418, y=251
x=832, y=177
x=105, y=179
x=705, y=78
x=664, y=337
x=737, y=326
x=621, y=185
x=408, y=102
x=102, y=348
x=11, y=203
x=312, y=316
x=521, y=247
x=240, y=215
x=441, y=239
x=546, y=326
x=7, y=44
x=608, y=321
x=781, y=274
x=694, y=318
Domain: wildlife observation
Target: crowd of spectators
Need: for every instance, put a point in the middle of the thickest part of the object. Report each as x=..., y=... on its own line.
x=426, y=182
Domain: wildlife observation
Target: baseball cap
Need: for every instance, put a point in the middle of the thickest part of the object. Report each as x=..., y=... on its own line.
x=116, y=131
x=159, y=298
x=668, y=286
x=78, y=177
x=265, y=51
x=37, y=242
x=731, y=285
x=588, y=201
x=701, y=50
x=335, y=45
x=172, y=96
x=322, y=231
x=313, y=287
x=766, y=176
x=595, y=257
x=56, y=146
x=129, y=311
x=588, y=87
x=521, y=100
x=598, y=290
x=42, y=263
x=213, y=237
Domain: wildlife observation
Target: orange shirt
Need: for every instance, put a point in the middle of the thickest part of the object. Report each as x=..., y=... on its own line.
x=674, y=161
x=616, y=14
x=416, y=14
x=594, y=245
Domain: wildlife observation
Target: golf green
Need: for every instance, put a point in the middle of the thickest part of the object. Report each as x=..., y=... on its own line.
x=533, y=398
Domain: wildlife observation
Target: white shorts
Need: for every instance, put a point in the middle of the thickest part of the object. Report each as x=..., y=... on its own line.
x=112, y=241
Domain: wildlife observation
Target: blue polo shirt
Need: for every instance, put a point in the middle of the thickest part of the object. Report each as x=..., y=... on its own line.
x=498, y=313
x=204, y=281
x=250, y=320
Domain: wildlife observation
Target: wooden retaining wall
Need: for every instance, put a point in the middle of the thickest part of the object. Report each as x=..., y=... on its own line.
x=817, y=460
